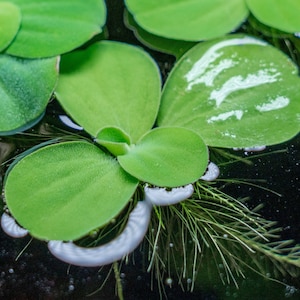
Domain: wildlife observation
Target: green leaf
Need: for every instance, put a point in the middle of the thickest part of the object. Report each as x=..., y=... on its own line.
x=115, y=140
x=52, y=27
x=235, y=92
x=189, y=20
x=168, y=157
x=280, y=14
x=25, y=88
x=10, y=19
x=110, y=84
x=63, y=191
x=158, y=43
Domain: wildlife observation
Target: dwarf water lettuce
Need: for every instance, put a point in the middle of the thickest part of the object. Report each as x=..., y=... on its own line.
x=207, y=19
x=49, y=28
x=140, y=138
x=39, y=31
x=113, y=91
x=166, y=156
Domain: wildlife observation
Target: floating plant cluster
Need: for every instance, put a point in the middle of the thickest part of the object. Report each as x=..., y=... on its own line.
x=138, y=145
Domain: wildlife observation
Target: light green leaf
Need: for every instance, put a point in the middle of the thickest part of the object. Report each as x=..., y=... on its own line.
x=10, y=19
x=52, y=27
x=63, y=191
x=189, y=20
x=110, y=84
x=280, y=14
x=115, y=140
x=26, y=86
x=235, y=92
x=168, y=157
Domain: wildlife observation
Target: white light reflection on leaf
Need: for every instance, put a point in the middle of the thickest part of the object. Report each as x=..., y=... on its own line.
x=277, y=103
x=237, y=83
x=224, y=116
x=198, y=73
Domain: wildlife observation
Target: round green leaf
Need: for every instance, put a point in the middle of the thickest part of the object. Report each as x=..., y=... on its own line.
x=189, y=20
x=110, y=84
x=52, y=27
x=10, y=19
x=234, y=92
x=63, y=191
x=167, y=157
x=26, y=86
x=280, y=14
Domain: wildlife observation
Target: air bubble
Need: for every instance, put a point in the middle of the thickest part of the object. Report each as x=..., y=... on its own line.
x=290, y=291
x=71, y=288
x=169, y=281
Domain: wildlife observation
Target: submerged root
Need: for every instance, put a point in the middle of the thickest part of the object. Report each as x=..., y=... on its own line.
x=213, y=228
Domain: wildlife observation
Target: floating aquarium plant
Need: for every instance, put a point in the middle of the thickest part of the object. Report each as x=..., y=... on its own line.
x=32, y=34
x=35, y=29
x=119, y=112
x=174, y=26
x=142, y=165
x=207, y=19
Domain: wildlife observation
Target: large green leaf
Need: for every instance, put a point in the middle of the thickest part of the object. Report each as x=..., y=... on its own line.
x=235, y=92
x=63, y=191
x=110, y=84
x=53, y=27
x=10, y=19
x=190, y=20
x=280, y=14
x=25, y=88
x=167, y=157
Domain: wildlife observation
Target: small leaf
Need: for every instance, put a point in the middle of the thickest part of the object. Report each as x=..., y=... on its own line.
x=168, y=157
x=110, y=84
x=53, y=27
x=63, y=191
x=280, y=14
x=189, y=20
x=10, y=19
x=25, y=88
x=115, y=140
x=234, y=92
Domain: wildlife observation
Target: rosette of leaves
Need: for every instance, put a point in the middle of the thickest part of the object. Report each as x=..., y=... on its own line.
x=113, y=91
x=237, y=91
x=32, y=33
x=189, y=20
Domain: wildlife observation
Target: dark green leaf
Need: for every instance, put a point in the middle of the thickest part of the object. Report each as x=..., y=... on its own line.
x=25, y=87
